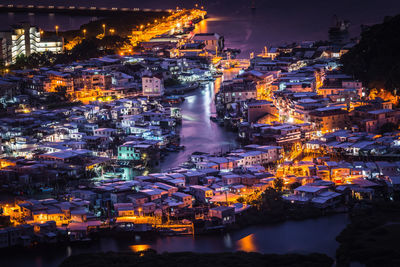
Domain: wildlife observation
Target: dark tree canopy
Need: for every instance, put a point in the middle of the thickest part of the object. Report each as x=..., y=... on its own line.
x=375, y=60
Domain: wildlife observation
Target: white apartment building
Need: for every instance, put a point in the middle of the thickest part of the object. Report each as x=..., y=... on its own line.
x=25, y=39
x=152, y=86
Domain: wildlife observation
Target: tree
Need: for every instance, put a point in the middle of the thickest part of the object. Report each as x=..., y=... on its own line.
x=241, y=200
x=375, y=60
x=112, y=43
x=294, y=185
x=388, y=127
x=60, y=94
x=36, y=60
x=278, y=184
x=85, y=50
x=20, y=61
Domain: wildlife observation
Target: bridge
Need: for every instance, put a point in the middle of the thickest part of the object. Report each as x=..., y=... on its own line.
x=76, y=10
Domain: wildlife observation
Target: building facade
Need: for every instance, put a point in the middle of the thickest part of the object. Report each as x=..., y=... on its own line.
x=25, y=39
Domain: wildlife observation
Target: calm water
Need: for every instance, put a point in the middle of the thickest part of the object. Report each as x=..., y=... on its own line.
x=272, y=22
x=317, y=235
x=198, y=132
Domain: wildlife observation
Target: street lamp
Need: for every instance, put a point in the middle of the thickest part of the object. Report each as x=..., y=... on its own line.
x=84, y=33
x=104, y=29
x=56, y=27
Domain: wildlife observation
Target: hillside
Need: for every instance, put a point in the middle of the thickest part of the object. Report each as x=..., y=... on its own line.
x=375, y=60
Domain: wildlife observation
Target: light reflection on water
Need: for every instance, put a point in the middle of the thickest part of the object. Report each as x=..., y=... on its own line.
x=314, y=235
x=247, y=244
x=138, y=248
x=198, y=132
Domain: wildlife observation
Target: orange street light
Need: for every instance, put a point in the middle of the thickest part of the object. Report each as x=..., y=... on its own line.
x=84, y=33
x=104, y=29
x=56, y=27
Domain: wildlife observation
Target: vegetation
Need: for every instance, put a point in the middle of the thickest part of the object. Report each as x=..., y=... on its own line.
x=388, y=127
x=269, y=207
x=184, y=259
x=375, y=60
x=372, y=236
x=171, y=82
x=278, y=184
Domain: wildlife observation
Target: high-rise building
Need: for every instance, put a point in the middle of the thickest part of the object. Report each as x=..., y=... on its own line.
x=25, y=39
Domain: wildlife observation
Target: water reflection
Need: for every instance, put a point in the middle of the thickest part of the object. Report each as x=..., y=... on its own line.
x=198, y=133
x=201, y=27
x=247, y=244
x=228, y=241
x=138, y=248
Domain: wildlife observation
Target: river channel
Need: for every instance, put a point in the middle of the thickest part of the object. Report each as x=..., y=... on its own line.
x=314, y=235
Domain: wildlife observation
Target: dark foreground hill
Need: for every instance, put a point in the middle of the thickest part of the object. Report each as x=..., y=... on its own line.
x=150, y=258
x=372, y=237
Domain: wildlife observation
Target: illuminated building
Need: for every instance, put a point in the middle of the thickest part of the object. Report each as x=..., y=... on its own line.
x=259, y=108
x=152, y=86
x=58, y=79
x=238, y=90
x=225, y=214
x=212, y=41
x=25, y=39
x=127, y=152
x=329, y=118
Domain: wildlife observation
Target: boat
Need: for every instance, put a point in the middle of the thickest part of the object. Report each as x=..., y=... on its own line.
x=173, y=99
x=181, y=89
x=218, y=74
x=46, y=189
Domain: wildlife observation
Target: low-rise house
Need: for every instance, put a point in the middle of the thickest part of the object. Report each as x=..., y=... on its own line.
x=225, y=215
x=184, y=198
x=201, y=193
